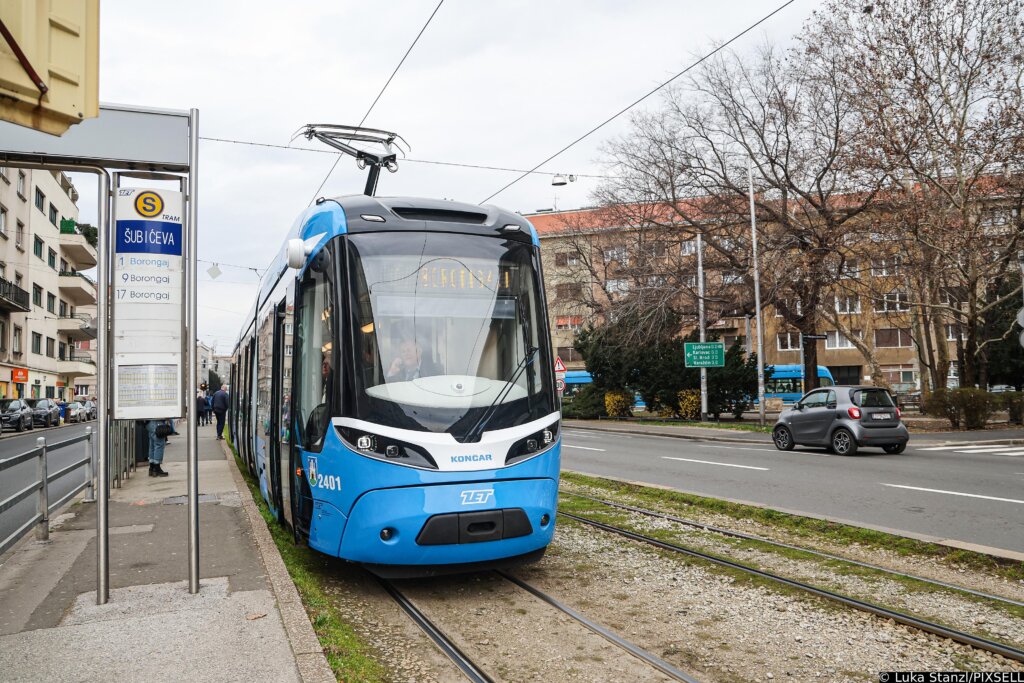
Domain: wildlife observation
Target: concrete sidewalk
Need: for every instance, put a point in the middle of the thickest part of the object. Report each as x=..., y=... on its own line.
x=152, y=629
x=725, y=435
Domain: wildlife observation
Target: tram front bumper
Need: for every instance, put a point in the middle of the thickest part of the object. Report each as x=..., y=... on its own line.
x=451, y=523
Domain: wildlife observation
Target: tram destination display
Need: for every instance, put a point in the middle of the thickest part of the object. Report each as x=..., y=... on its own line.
x=147, y=297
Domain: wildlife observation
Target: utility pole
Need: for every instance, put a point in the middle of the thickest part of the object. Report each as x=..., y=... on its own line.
x=700, y=317
x=757, y=303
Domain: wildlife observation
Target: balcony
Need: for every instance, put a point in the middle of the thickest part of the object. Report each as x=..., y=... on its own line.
x=77, y=288
x=76, y=328
x=13, y=298
x=77, y=250
x=76, y=365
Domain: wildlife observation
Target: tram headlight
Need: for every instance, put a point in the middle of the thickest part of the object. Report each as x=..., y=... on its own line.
x=366, y=443
x=547, y=436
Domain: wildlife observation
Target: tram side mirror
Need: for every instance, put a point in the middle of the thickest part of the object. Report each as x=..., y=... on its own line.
x=296, y=252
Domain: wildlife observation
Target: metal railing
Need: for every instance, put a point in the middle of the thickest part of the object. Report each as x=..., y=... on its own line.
x=14, y=294
x=122, y=451
x=41, y=485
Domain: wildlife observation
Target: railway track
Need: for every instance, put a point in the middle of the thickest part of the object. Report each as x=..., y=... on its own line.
x=777, y=544
x=884, y=612
x=475, y=673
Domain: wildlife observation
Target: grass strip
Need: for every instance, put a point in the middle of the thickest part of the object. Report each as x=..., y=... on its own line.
x=351, y=658
x=809, y=529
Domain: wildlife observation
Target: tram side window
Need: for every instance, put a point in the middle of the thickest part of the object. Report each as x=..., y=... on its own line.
x=317, y=377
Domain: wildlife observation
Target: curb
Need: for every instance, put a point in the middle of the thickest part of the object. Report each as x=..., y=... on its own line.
x=309, y=654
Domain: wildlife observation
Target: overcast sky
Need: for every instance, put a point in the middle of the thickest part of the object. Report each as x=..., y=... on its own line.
x=490, y=83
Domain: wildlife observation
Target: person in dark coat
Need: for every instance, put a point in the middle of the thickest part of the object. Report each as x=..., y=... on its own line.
x=221, y=402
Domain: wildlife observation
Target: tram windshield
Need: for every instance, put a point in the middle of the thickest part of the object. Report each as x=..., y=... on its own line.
x=447, y=333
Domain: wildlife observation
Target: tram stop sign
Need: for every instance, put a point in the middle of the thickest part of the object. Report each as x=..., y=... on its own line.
x=704, y=354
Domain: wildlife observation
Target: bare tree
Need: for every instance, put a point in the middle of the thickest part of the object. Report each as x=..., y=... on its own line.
x=939, y=87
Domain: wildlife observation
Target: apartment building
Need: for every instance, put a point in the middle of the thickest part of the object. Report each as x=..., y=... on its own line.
x=589, y=262
x=44, y=296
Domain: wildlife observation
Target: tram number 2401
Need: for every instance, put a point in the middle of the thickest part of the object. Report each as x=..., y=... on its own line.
x=331, y=482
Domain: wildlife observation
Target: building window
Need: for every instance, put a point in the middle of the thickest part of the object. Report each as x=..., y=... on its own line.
x=891, y=338
x=37, y=295
x=287, y=328
x=16, y=340
x=569, y=354
x=51, y=259
x=37, y=342
x=62, y=351
x=54, y=216
x=3, y=335
x=794, y=306
x=688, y=247
x=617, y=286
x=18, y=278
x=731, y=339
x=847, y=303
x=690, y=281
x=21, y=184
x=40, y=200
x=899, y=374
x=63, y=266
x=617, y=253
x=569, y=322
x=568, y=290
x=62, y=308
x=834, y=339
x=892, y=302
x=288, y=350
x=954, y=333
x=787, y=341
x=37, y=247
x=3, y=270
x=567, y=258
x=51, y=303
x=850, y=270
x=885, y=267
x=996, y=221
x=3, y=221
x=19, y=235
x=51, y=346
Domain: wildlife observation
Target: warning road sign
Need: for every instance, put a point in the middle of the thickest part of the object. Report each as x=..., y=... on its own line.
x=559, y=365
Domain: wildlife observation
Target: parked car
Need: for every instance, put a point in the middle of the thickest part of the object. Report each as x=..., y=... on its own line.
x=90, y=410
x=842, y=419
x=45, y=411
x=16, y=414
x=74, y=412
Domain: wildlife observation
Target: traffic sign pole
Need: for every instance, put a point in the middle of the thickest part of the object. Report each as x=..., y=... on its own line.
x=700, y=313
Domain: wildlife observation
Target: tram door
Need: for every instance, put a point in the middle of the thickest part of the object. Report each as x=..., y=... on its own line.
x=277, y=435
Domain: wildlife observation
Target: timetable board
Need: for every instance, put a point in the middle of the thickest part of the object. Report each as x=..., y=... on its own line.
x=146, y=296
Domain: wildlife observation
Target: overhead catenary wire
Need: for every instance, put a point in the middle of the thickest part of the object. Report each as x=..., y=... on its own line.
x=644, y=97
x=481, y=167
x=377, y=99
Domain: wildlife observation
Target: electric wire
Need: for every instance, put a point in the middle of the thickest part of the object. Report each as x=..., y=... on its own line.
x=644, y=97
x=376, y=99
x=482, y=167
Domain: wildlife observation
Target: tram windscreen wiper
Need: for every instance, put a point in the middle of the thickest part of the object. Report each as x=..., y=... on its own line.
x=474, y=433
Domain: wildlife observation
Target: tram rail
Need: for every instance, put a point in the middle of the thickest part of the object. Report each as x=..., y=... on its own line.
x=924, y=625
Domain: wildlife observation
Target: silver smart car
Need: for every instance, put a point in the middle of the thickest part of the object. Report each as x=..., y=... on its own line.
x=842, y=419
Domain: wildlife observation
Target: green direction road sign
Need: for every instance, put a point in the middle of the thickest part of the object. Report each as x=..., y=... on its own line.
x=704, y=354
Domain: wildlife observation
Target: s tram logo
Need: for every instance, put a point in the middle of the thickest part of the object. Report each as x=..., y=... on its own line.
x=149, y=204
x=477, y=497
x=311, y=469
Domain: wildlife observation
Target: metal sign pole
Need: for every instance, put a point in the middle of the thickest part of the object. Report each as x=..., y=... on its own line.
x=190, y=324
x=700, y=315
x=757, y=302
x=104, y=235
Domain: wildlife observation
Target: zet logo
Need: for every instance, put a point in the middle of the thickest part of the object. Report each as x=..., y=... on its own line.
x=477, y=497
x=311, y=469
x=149, y=204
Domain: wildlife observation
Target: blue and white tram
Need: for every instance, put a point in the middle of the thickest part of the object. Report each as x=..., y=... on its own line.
x=393, y=390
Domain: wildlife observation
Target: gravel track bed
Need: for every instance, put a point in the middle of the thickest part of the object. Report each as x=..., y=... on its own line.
x=514, y=636
x=928, y=567
x=705, y=621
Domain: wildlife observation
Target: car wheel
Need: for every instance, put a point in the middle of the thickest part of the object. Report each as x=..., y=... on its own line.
x=843, y=442
x=894, y=448
x=783, y=439
x=21, y=426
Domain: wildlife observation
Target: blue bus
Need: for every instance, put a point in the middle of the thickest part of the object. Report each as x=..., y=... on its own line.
x=786, y=382
x=393, y=388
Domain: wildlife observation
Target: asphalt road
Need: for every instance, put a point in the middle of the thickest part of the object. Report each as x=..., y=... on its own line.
x=965, y=494
x=18, y=477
